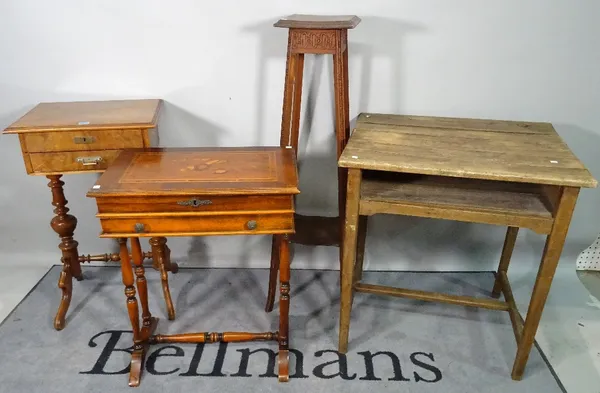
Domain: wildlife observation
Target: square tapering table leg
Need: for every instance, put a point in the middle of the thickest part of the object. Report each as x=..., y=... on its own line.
x=552, y=250
x=349, y=255
x=507, y=250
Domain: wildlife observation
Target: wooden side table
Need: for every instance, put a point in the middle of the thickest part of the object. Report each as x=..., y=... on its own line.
x=78, y=137
x=515, y=174
x=197, y=192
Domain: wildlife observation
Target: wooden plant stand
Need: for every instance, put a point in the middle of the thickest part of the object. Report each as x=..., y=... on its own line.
x=317, y=34
x=314, y=34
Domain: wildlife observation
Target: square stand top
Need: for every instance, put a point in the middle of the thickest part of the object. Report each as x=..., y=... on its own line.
x=200, y=171
x=301, y=21
x=81, y=115
x=512, y=151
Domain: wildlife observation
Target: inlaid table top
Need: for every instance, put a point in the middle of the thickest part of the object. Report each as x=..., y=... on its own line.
x=69, y=116
x=468, y=148
x=206, y=171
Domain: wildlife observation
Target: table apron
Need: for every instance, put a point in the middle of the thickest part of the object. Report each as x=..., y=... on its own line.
x=539, y=224
x=199, y=225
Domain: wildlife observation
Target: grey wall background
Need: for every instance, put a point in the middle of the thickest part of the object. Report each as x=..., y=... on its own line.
x=220, y=68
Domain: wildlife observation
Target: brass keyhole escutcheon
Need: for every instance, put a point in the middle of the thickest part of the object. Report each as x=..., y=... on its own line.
x=84, y=140
x=251, y=225
x=139, y=227
x=195, y=202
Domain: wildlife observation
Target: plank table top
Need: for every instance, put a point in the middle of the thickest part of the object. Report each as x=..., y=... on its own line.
x=515, y=151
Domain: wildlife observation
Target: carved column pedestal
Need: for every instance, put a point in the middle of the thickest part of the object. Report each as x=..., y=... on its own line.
x=64, y=225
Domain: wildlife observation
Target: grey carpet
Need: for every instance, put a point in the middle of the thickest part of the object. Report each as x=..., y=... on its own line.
x=420, y=347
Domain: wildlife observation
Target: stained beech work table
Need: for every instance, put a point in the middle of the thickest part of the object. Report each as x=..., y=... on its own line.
x=197, y=192
x=78, y=137
x=514, y=174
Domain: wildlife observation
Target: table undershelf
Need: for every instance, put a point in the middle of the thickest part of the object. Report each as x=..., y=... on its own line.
x=479, y=201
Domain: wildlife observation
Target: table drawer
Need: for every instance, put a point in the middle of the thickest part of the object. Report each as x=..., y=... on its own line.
x=42, y=142
x=195, y=225
x=63, y=162
x=199, y=204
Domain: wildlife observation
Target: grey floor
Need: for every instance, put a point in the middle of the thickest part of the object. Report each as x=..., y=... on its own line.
x=420, y=346
x=568, y=333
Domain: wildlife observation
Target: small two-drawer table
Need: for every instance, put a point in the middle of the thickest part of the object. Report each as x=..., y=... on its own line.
x=509, y=173
x=197, y=192
x=78, y=137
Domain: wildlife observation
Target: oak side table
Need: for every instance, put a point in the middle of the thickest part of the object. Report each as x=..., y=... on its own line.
x=514, y=174
x=197, y=192
x=78, y=137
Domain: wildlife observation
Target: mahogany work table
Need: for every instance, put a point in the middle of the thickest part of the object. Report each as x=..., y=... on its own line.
x=514, y=174
x=81, y=137
x=197, y=192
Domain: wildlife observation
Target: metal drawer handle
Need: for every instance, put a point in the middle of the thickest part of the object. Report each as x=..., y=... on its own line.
x=80, y=140
x=139, y=227
x=251, y=225
x=195, y=202
x=89, y=160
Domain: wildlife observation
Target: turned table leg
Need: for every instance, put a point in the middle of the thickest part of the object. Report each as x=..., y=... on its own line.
x=284, y=306
x=161, y=255
x=170, y=266
x=132, y=309
x=64, y=225
x=141, y=284
x=273, y=271
x=141, y=336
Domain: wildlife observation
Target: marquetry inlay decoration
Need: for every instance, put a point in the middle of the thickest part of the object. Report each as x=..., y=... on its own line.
x=170, y=167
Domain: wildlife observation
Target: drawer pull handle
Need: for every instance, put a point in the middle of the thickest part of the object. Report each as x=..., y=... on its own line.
x=83, y=140
x=251, y=225
x=89, y=160
x=139, y=227
x=195, y=202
